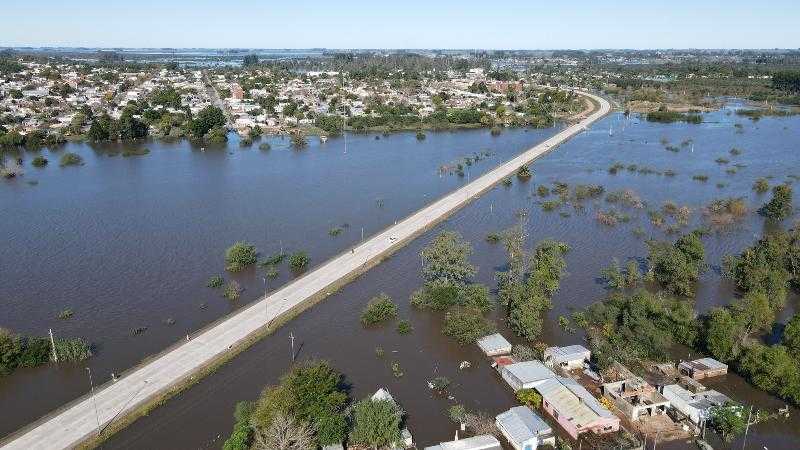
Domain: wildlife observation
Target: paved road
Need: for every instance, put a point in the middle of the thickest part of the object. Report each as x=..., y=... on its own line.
x=77, y=422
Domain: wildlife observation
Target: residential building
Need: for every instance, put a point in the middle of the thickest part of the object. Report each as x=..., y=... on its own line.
x=523, y=429
x=526, y=374
x=696, y=406
x=494, y=345
x=482, y=442
x=635, y=398
x=702, y=368
x=567, y=358
x=574, y=408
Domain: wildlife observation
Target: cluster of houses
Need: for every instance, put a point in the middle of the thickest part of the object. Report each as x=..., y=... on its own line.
x=564, y=378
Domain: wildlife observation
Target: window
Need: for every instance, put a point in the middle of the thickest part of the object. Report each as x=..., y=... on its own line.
x=555, y=415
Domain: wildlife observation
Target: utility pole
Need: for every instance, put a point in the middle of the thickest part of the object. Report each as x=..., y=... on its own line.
x=747, y=427
x=265, y=288
x=281, y=242
x=362, y=233
x=291, y=338
x=94, y=400
x=53, y=346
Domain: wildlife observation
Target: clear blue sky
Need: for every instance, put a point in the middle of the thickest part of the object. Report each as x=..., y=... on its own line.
x=517, y=24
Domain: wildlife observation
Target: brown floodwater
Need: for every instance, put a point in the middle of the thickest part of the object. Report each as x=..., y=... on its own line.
x=201, y=417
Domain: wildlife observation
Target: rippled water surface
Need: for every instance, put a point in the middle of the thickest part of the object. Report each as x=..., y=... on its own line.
x=129, y=242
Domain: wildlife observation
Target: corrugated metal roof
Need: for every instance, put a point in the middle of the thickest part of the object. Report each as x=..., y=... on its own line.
x=494, y=343
x=573, y=401
x=530, y=371
x=522, y=424
x=482, y=442
x=568, y=353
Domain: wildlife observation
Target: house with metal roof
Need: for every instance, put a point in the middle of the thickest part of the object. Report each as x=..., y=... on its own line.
x=574, y=408
x=696, y=406
x=523, y=429
x=494, y=345
x=526, y=374
x=567, y=358
x=702, y=368
x=482, y=442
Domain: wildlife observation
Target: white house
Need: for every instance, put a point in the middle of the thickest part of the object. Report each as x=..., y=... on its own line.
x=696, y=406
x=526, y=374
x=568, y=358
x=494, y=345
x=482, y=442
x=523, y=429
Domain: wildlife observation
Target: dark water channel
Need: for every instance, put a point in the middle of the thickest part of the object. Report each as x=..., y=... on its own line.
x=130, y=242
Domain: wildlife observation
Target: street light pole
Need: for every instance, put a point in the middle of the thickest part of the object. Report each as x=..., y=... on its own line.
x=94, y=400
x=291, y=338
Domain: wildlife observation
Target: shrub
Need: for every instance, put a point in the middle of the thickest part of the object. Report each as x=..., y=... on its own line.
x=70, y=159
x=404, y=327
x=495, y=131
x=298, y=261
x=65, y=314
x=524, y=173
x=529, y=397
x=72, y=350
x=761, y=185
x=240, y=255
x=421, y=136
x=215, y=282
x=493, y=238
x=700, y=178
x=780, y=206
x=264, y=146
x=135, y=152
x=39, y=161
x=232, y=290
x=379, y=309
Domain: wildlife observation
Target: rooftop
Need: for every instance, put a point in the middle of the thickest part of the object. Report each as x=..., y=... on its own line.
x=530, y=371
x=572, y=400
x=482, y=442
x=494, y=344
x=568, y=353
x=522, y=424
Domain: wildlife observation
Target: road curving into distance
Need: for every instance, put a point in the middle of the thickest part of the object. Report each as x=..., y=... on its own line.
x=89, y=419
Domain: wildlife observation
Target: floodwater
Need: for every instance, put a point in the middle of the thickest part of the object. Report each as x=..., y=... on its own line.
x=202, y=416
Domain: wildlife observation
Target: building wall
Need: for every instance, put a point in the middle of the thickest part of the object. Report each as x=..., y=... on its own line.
x=565, y=424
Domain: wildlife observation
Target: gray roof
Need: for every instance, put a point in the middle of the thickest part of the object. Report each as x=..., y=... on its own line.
x=482, y=442
x=530, y=371
x=522, y=424
x=573, y=401
x=493, y=344
x=568, y=353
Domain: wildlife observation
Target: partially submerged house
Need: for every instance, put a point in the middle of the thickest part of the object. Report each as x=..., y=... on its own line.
x=635, y=398
x=574, y=408
x=524, y=429
x=696, y=406
x=702, y=368
x=567, y=358
x=482, y=442
x=525, y=375
x=494, y=345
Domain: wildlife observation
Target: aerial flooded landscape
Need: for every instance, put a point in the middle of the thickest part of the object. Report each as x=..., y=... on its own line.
x=427, y=242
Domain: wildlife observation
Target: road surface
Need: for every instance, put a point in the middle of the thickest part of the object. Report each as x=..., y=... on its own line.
x=77, y=422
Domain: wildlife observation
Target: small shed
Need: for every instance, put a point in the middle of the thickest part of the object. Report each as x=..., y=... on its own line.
x=494, y=345
x=523, y=429
x=526, y=374
x=702, y=368
x=482, y=442
x=568, y=358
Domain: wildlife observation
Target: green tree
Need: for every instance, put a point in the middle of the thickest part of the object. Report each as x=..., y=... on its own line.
x=722, y=335
x=677, y=266
x=206, y=119
x=729, y=420
x=376, y=423
x=466, y=325
x=791, y=336
x=379, y=309
x=780, y=206
x=446, y=259
x=240, y=255
x=242, y=433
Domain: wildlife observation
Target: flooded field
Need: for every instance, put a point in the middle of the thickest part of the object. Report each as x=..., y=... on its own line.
x=131, y=242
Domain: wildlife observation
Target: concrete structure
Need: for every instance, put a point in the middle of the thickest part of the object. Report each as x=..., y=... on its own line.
x=696, y=406
x=574, y=408
x=702, y=368
x=526, y=374
x=482, y=442
x=494, y=345
x=635, y=398
x=151, y=381
x=567, y=358
x=523, y=429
